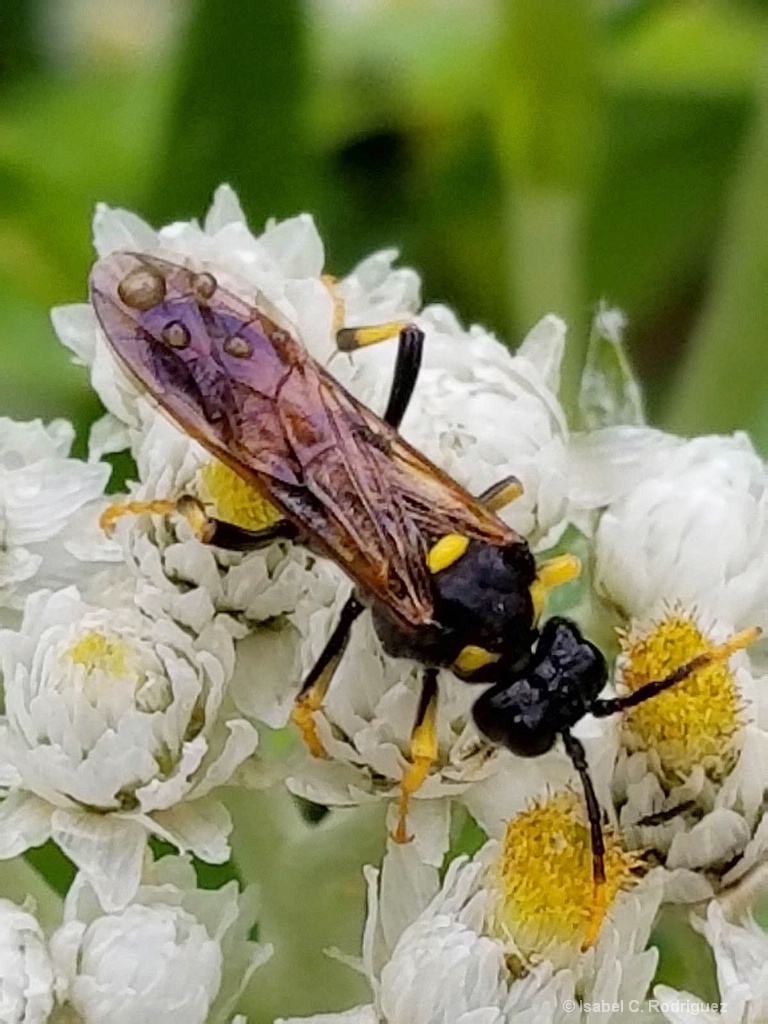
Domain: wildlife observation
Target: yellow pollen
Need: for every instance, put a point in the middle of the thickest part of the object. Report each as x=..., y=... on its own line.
x=543, y=880
x=698, y=721
x=233, y=500
x=95, y=651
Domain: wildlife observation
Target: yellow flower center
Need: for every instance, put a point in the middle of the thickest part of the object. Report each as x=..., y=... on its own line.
x=233, y=500
x=696, y=722
x=96, y=651
x=543, y=883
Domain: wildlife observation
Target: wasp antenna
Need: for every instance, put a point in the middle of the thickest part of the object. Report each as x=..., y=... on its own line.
x=721, y=652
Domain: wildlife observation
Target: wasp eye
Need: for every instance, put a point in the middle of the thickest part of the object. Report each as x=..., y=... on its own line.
x=204, y=286
x=142, y=289
x=175, y=334
x=239, y=347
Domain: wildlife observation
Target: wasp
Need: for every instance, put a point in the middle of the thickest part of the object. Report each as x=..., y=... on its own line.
x=448, y=582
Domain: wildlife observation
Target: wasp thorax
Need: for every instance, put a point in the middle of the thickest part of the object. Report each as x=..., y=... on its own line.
x=175, y=334
x=239, y=347
x=142, y=289
x=204, y=286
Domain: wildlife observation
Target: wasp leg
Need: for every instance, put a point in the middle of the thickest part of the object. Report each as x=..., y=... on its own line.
x=409, y=352
x=601, y=708
x=315, y=686
x=237, y=538
x=554, y=572
x=575, y=751
x=206, y=529
x=501, y=494
x=185, y=506
x=423, y=752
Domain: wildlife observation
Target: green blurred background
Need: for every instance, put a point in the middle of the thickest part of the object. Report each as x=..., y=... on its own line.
x=524, y=155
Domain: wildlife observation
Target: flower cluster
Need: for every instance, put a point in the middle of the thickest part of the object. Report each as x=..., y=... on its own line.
x=149, y=680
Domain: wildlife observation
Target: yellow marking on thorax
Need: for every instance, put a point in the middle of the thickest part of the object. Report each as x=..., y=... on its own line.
x=446, y=551
x=472, y=658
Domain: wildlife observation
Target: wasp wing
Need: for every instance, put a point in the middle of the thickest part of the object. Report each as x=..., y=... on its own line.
x=234, y=378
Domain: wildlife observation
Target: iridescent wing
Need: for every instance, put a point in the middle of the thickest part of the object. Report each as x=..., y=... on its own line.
x=234, y=378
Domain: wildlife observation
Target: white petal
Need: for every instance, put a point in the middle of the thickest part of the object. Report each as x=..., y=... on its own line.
x=200, y=826
x=357, y=1015
x=115, y=230
x=25, y=821
x=225, y=209
x=107, y=849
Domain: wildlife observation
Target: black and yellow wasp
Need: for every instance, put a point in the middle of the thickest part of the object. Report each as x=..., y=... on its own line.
x=448, y=582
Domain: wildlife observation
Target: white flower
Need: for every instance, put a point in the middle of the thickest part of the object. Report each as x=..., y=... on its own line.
x=681, y=551
x=693, y=764
x=49, y=506
x=741, y=959
x=26, y=970
x=432, y=954
x=177, y=954
x=115, y=729
x=684, y=522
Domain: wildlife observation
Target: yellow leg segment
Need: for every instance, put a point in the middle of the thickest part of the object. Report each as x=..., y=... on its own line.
x=423, y=754
x=550, y=574
x=597, y=914
x=309, y=701
x=186, y=506
x=352, y=338
x=303, y=717
x=502, y=494
x=315, y=686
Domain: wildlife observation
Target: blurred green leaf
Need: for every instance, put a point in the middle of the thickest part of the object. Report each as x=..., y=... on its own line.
x=547, y=112
x=398, y=65
x=20, y=40
x=706, y=48
x=721, y=384
x=239, y=113
x=64, y=145
x=659, y=199
x=546, y=102
x=38, y=378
